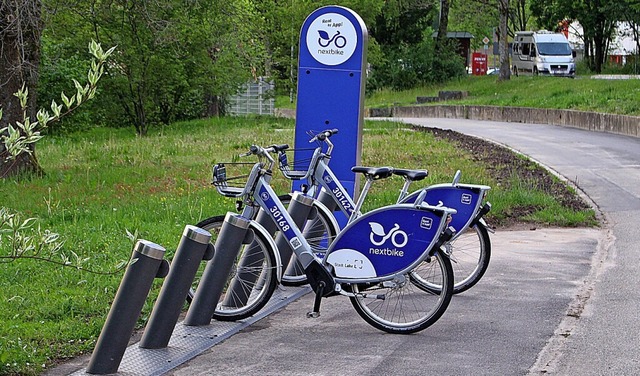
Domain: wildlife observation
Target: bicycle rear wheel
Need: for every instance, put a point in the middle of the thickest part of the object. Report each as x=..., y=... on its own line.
x=470, y=253
x=252, y=280
x=401, y=307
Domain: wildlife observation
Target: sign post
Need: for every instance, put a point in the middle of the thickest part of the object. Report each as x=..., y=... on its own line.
x=331, y=81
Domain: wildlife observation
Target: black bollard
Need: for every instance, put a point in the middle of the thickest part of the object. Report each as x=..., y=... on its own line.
x=232, y=234
x=245, y=280
x=299, y=209
x=328, y=201
x=145, y=265
x=193, y=248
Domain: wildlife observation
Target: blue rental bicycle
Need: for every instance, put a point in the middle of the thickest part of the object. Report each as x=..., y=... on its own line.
x=371, y=261
x=469, y=249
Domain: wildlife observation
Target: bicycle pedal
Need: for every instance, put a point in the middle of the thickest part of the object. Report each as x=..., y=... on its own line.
x=313, y=315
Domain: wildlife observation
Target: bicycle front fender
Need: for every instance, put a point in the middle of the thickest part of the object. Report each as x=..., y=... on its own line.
x=255, y=226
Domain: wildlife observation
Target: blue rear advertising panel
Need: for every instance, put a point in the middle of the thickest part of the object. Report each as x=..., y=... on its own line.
x=384, y=242
x=464, y=199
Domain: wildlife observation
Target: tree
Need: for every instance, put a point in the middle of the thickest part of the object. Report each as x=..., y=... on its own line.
x=176, y=60
x=505, y=69
x=504, y=12
x=597, y=17
x=482, y=21
x=632, y=16
x=519, y=16
x=20, y=33
x=443, y=24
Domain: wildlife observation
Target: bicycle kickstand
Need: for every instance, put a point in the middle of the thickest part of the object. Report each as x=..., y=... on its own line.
x=316, y=303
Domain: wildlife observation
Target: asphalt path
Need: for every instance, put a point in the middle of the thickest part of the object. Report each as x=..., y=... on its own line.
x=553, y=301
x=604, y=337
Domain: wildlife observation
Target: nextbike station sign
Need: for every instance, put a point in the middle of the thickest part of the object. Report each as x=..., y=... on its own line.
x=327, y=39
x=331, y=80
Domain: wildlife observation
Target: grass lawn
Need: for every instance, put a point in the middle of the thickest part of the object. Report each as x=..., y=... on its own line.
x=105, y=183
x=582, y=93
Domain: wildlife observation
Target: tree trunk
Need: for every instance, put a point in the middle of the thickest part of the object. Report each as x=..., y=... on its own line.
x=214, y=106
x=505, y=69
x=20, y=32
x=520, y=17
x=443, y=25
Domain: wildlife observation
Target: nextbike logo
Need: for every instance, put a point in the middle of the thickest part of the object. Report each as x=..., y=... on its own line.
x=327, y=179
x=379, y=236
x=331, y=39
x=264, y=196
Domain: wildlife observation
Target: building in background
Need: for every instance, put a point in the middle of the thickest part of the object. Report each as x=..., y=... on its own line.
x=623, y=46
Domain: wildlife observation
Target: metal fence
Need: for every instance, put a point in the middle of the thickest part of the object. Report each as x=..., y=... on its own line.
x=253, y=98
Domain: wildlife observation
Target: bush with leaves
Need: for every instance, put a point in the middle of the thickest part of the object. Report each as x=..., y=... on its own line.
x=412, y=65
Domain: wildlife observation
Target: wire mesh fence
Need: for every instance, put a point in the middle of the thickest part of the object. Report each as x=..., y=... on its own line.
x=253, y=98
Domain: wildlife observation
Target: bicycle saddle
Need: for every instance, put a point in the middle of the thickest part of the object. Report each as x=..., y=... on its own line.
x=413, y=175
x=374, y=172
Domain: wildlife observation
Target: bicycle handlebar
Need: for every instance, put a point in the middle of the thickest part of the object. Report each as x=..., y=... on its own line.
x=263, y=152
x=322, y=136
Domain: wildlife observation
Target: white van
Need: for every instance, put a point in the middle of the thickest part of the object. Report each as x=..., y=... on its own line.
x=542, y=52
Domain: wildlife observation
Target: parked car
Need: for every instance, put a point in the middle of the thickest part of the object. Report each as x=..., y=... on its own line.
x=542, y=52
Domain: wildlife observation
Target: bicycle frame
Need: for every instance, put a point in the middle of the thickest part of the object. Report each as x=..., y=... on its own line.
x=465, y=198
x=320, y=175
x=350, y=255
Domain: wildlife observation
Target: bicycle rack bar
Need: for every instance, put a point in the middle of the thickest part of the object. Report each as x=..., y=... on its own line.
x=327, y=200
x=240, y=288
x=146, y=264
x=265, y=221
x=193, y=248
x=299, y=209
x=313, y=230
x=233, y=232
x=246, y=279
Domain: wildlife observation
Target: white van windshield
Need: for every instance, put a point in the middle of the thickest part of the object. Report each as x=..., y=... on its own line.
x=554, y=49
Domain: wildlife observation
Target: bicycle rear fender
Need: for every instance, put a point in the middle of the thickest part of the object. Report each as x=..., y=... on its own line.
x=465, y=198
x=385, y=242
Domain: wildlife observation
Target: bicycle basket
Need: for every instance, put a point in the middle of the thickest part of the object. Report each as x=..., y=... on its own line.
x=236, y=184
x=299, y=168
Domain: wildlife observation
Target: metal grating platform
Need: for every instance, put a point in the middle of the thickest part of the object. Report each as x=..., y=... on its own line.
x=187, y=342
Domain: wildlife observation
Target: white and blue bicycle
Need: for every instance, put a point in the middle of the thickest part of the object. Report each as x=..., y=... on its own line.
x=371, y=261
x=469, y=249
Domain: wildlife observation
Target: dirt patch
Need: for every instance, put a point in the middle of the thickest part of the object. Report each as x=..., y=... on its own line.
x=504, y=165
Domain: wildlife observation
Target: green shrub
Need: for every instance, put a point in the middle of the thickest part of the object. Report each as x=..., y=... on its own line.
x=413, y=65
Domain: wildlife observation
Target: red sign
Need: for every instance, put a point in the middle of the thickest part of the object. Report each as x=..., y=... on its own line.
x=478, y=64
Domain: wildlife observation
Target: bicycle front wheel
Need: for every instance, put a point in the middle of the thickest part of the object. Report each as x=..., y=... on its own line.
x=470, y=253
x=252, y=280
x=401, y=307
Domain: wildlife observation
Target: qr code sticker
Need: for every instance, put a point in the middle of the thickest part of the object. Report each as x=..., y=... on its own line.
x=295, y=243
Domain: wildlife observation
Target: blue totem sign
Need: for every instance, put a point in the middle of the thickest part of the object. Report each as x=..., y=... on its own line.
x=331, y=80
